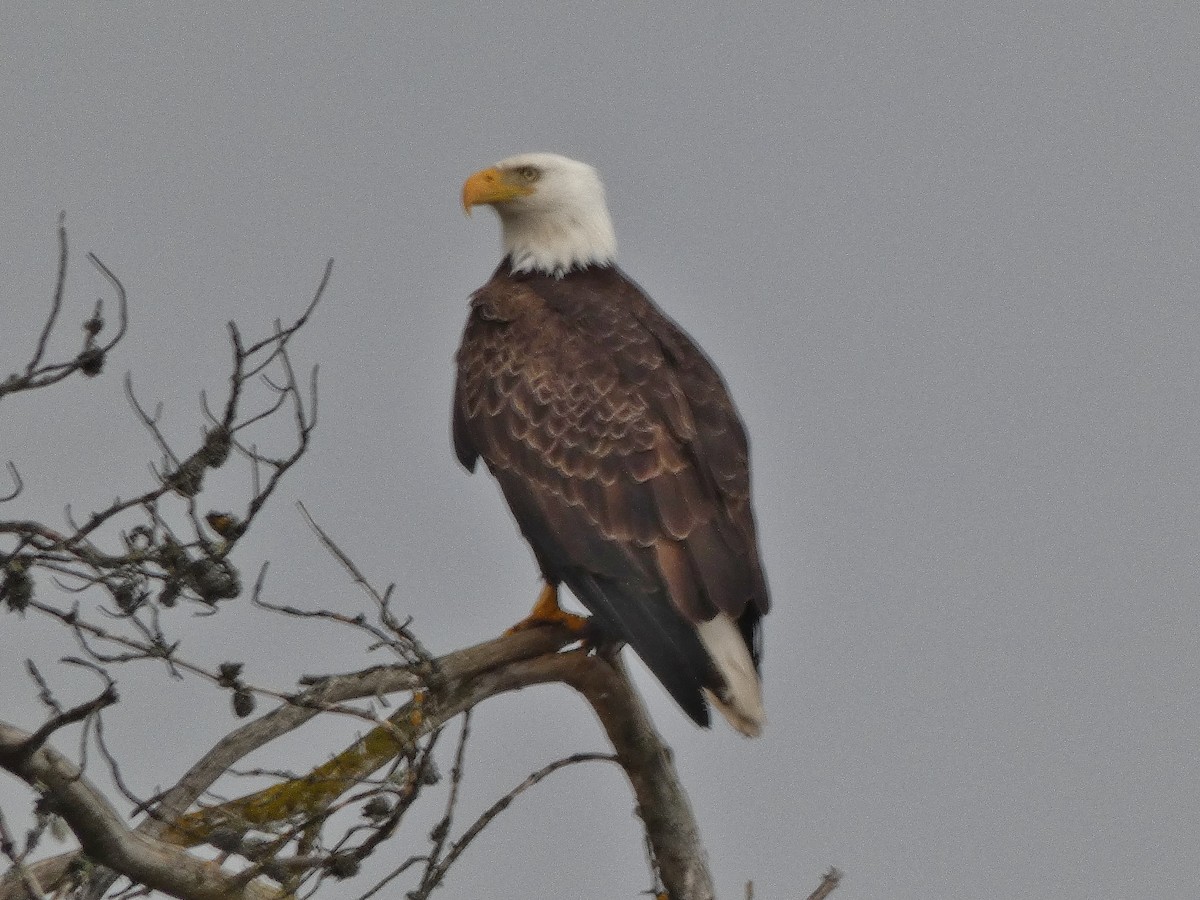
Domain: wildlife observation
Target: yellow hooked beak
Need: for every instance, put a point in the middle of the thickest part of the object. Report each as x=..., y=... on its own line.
x=492, y=186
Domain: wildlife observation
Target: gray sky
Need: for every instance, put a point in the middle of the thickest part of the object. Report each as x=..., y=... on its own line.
x=945, y=255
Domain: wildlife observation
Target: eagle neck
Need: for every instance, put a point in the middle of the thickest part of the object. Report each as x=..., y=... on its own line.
x=557, y=244
x=593, y=274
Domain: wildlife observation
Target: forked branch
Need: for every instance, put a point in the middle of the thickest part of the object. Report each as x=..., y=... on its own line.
x=38, y=372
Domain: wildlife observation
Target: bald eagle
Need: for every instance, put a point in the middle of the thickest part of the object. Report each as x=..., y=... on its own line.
x=614, y=441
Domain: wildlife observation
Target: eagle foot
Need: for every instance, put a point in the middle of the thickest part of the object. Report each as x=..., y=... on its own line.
x=546, y=611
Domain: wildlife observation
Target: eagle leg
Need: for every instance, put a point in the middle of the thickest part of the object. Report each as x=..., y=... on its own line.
x=546, y=611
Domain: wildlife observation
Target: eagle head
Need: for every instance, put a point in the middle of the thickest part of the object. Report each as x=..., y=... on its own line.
x=552, y=212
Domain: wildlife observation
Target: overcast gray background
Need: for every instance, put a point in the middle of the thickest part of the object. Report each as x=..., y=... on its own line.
x=945, y=255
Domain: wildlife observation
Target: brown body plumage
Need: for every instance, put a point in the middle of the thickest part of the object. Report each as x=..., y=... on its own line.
x=624, y=462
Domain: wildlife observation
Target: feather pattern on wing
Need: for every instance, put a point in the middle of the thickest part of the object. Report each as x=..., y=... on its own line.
x=622, y=458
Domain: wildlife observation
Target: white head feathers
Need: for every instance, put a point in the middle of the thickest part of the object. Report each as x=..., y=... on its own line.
x=552, y=212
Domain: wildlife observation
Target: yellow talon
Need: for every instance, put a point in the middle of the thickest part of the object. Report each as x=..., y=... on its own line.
x=546, y=611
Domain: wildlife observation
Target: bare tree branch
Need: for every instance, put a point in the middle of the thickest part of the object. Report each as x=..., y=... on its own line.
x=105, y=837
x=408, y=647
x=18, y=485
x=454, y=667
x=662, y=803
x=149, y=550
x=467, y=678
x=436, y=871
x=66, y=717
x=8, y=846
x=90, y=360
x=60, y=284
x=428, y=711
x=829, y=881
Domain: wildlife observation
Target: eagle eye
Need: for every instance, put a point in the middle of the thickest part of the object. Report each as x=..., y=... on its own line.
x=528, y=174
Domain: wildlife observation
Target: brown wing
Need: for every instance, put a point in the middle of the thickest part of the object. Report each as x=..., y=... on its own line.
x=622, y=458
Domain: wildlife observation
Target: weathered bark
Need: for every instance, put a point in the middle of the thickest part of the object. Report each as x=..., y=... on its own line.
x=104, y=836
x=454, y=683
x=662, y=803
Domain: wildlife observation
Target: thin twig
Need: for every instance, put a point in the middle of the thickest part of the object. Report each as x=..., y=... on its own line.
x=435, y=875
x=18, y=485
x=107, y=697
x=409, y=649
x=391, y=876
x=44, y=692
x=90, y=360
x=287, y=333
x=441, y=831
x=8, y=847
x=60, y=284
x=122, y=301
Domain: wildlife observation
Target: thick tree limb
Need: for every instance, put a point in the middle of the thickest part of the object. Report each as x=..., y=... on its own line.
x=430, y=709
x=105, y=837
x=452, y=668
x=663, y=806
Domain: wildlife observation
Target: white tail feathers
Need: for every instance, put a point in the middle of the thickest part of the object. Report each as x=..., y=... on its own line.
x=741, y=701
